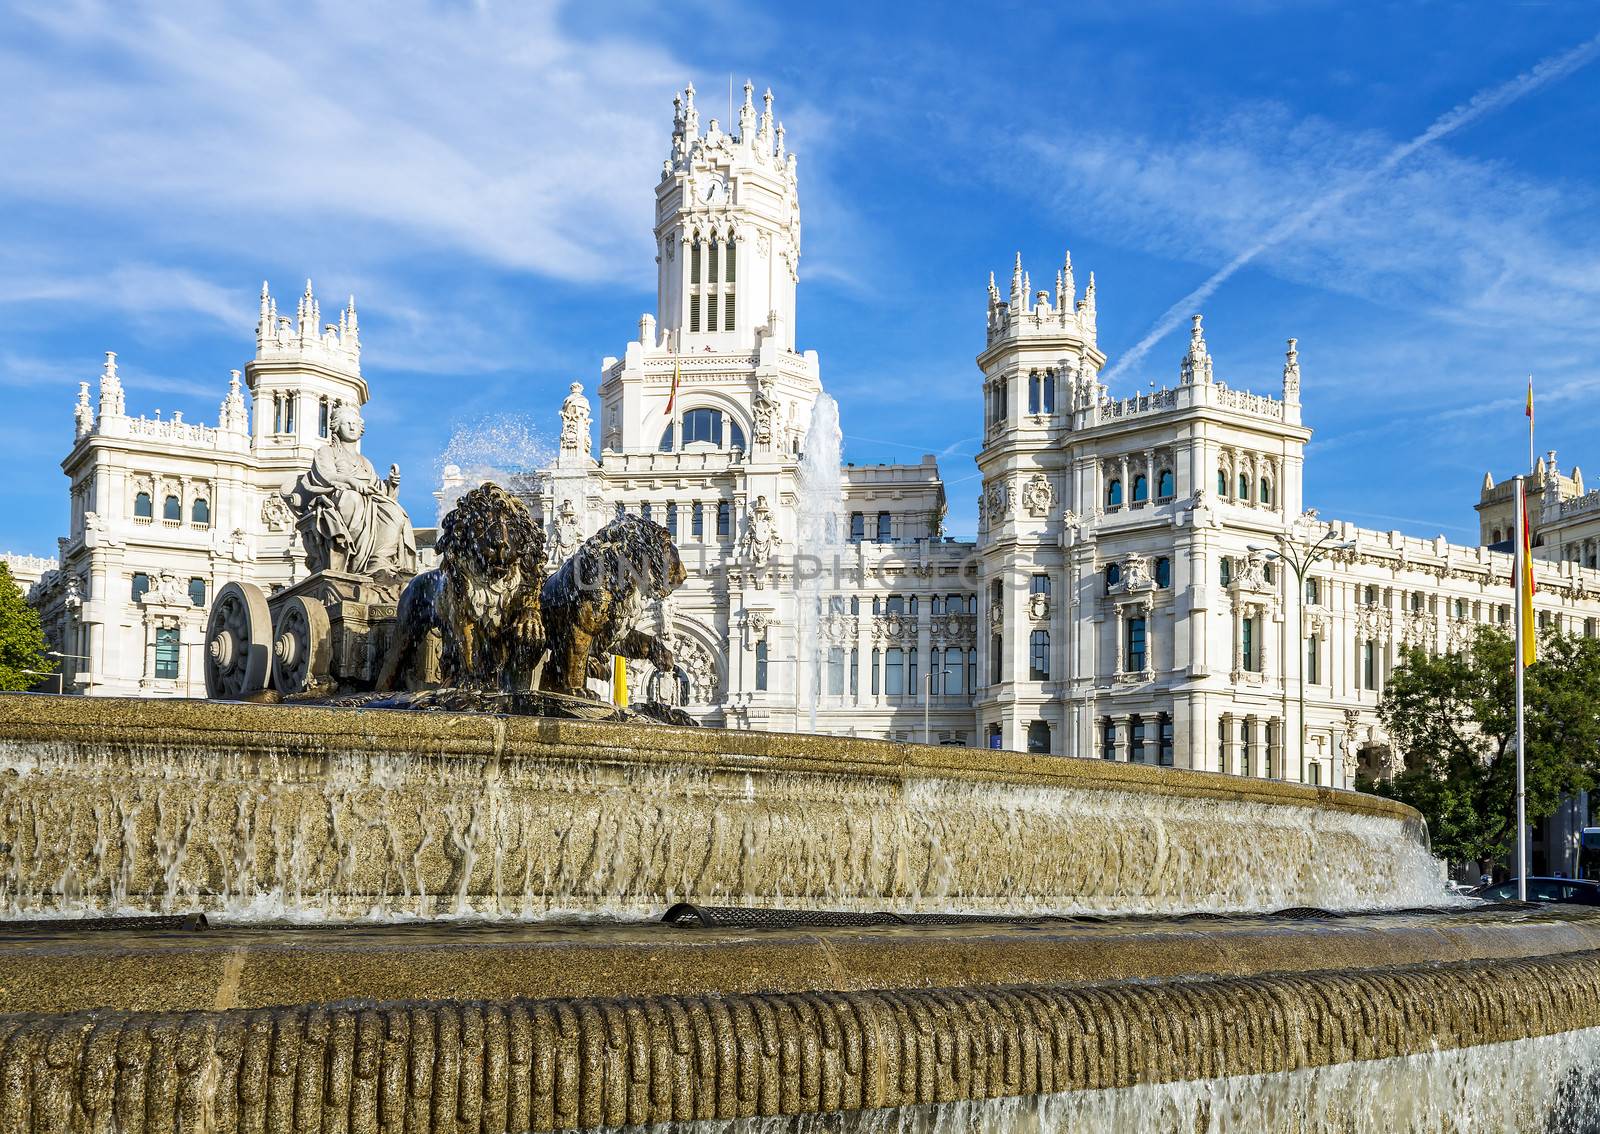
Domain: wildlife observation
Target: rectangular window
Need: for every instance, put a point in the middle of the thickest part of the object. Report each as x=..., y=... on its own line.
x=1222, y=744
x=1247, y=645
x=1039, y=585
x=1136, y=645
x=836, y=671
x=697, y=521
x=1313, y=660
x=885, y=527
x=167, y=653
x=711, y=312
x=1108, y=740
x=1039, y=656
x=877, y=672
x=858, y=527
x=645, y=512
x=994, y=660
x=724, y=517
x=1164, y=757
x=972, y=671
x=1247, y=752
x=895, y=604
x=1048, y=383
x=1369, y=664
x=672, y=520
x=954, y=679
x=855, y=672
x=1136, y=740
x=761, y=665
x=912, y=657
x=197, y=591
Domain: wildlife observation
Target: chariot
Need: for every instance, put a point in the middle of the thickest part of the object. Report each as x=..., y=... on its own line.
x=330, y=631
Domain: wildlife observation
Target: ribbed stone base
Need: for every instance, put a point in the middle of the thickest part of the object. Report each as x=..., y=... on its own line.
x=522, y=1065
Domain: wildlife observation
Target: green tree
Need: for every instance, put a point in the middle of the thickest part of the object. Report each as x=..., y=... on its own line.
x=22, y=644
x=1453, y=719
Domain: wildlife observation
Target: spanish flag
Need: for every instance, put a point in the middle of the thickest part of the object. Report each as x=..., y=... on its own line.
x=1530, y=403
x=1525, y=584
x=672, y=395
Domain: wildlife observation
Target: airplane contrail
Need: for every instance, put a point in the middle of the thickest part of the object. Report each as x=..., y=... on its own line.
x=1547, y=71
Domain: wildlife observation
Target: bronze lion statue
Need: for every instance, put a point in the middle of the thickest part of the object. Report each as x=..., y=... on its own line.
x=593, y=600
x=483, y=599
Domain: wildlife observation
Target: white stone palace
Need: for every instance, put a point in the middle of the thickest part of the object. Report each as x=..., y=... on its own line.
x=1127, y=596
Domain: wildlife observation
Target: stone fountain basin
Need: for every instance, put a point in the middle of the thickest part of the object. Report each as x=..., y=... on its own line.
x=278, y=811
x=510, y=1027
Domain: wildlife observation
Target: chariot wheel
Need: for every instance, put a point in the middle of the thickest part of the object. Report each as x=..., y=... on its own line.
x=302, y=646
x=238, y=637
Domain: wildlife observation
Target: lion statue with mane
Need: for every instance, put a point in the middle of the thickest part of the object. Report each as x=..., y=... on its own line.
x=592, y=603
x=483, y=599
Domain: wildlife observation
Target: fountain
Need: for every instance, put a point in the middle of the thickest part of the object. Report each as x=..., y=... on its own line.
x=552, y=913
x=819, y=488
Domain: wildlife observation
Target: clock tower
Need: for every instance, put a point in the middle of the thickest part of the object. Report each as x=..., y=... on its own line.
x=727, y=231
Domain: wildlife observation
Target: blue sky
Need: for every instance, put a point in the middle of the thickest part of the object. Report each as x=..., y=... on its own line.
x=481, y=178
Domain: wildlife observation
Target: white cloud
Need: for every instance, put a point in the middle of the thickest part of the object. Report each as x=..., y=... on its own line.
x=488, y=130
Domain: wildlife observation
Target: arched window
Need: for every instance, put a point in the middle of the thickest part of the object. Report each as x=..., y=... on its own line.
x=1038, y=737
x=142, y=509
x=1166, y=485
x=1141, y=489
x=666, y=439
x=1114, y=494
x=1495, y=538
x=197, y=591
x=1163, y=572
x=200, y=511
x=1222, y=482
x=141, y=585
x=1244, y=487
x=702, y=425
x=1113, y=575
x=1039, y=655
x=735, y=433
x=1266, y=491
x=172, y=508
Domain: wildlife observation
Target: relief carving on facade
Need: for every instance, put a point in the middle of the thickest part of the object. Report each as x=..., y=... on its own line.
x=1038, y=496
x=760, y=538
x=575, y=421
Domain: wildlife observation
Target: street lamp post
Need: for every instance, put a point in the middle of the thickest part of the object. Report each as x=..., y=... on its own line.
x=927, y=699
x=60, y=686
x=1301, y=558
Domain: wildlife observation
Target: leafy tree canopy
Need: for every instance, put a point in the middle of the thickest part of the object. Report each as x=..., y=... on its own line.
x=22, y=644
x=1453, y=719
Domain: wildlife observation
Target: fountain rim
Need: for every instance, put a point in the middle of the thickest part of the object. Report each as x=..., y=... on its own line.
x=317, y=731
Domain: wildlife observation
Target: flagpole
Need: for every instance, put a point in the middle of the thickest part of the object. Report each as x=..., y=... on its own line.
x=1531, y=458
x=1522, y=630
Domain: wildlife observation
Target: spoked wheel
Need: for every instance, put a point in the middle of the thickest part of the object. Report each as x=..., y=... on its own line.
x=237, y=643
x=302, y=646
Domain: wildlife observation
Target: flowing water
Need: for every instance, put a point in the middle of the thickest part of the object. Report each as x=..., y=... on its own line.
x=322, y=829
x=820, y=486
x=505, y=449
x=1545, y=1085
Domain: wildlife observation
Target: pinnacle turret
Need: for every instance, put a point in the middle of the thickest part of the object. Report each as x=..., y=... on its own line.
x=83, y=413
x=1196, y=367
x=1291, y=374
x=232, y=415
x=338, y=342
x=113, y=402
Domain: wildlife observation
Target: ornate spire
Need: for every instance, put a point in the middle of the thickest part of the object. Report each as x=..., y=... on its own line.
x=1069, y=286
x=82, y=413
x=112, y=401
x=1291, y=374
x=765, y=137
x=747, y=115
x=779, y=150
x=994, y=292
x=691, y=116
x=233, y=417
x=1016, y=279
x=1196, y=369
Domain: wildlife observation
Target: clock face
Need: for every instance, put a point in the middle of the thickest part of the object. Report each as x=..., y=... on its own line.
x=711, y=191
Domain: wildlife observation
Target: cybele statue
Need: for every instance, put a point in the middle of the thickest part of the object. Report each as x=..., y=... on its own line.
x=349, y=520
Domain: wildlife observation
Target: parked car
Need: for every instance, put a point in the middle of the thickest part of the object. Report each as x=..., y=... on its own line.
x=1574, y=890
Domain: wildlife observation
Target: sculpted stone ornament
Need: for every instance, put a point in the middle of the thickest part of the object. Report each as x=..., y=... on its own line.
x=349, y=520
x=564, y=536
x=759, y=536
x=482, y=599
x=766, y=407
x=593, y=604
x=1037, y=496
x=575, y=421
